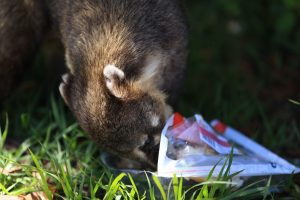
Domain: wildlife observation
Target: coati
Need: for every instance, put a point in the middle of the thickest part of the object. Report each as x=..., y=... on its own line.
x=126, y=61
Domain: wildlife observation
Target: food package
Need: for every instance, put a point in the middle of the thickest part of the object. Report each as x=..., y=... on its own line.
x=192, y=147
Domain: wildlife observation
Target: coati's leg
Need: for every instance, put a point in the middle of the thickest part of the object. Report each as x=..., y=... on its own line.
x=21, y=25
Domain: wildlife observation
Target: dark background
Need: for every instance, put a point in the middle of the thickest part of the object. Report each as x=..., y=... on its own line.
x=244, y=67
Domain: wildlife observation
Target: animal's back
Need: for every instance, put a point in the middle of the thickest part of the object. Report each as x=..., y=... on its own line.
x=123, y=32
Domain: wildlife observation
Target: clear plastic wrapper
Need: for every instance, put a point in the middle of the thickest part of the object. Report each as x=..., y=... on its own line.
x=191, y=147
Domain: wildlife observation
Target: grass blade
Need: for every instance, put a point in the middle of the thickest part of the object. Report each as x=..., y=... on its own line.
x=180, y=188
x=159, y=186
x=175, y=186
x=114, y=187
x=3, y=135
x=134, y=187
x=151, y=189
x=266, y=191
x=44, y=183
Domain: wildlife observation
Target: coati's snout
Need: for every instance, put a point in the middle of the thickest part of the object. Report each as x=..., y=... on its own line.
x=125, y=116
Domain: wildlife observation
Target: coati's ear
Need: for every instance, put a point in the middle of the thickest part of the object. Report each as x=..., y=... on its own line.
x=114, y=80
x=63, y=87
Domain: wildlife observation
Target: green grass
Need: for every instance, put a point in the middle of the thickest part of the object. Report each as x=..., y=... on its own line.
x=64, y=164
x=248, y=79
x=60, y=161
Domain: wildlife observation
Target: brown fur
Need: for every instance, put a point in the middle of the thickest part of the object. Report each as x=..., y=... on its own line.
x=126, y=61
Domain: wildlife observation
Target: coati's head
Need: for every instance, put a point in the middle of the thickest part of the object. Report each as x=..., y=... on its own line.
x=123, y=113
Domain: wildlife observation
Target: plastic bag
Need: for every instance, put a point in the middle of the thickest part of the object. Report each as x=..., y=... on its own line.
x=191, y=147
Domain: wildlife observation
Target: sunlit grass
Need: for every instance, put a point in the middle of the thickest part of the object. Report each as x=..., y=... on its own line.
x=64, y=164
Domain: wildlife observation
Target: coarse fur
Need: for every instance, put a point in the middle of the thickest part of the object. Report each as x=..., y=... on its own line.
x=126, y=61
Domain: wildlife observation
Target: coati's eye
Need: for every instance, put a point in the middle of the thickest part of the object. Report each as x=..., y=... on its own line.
x=148, y=141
